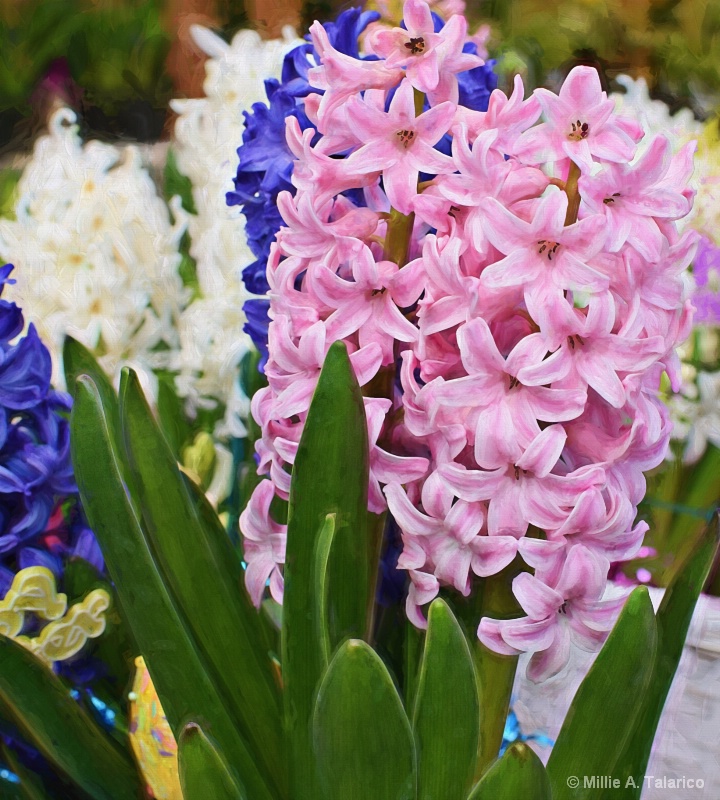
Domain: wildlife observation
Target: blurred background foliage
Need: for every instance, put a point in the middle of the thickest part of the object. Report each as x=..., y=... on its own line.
x=108, y=58
x=673, y=44
x=118, y=62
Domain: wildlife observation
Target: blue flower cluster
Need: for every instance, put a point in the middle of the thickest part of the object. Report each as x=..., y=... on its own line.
x=35, y=469
x=266, y=163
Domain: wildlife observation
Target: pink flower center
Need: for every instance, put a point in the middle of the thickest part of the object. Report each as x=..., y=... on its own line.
x=416, y=45
x=548, y=248
x=572, y=339
x=563, y=608
x=610, y=200
x=580, y=130
x=406, y=137
x=514, y=382
x=518, y=471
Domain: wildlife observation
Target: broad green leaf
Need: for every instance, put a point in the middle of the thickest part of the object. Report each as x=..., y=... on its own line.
x=518, y=775
x=362, y=739
x=42, y=707
x=172, y=416
x=673, y=620
x=322, y=556
x=446, y=715
x=178, y=671
x=330, y=476
x=204, y=773
x=699, y=489
x=77, y=361
x=600, y=721
x=215, y=530
x=201, y=569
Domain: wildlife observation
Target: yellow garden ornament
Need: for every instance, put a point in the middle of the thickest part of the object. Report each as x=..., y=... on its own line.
x=151, y=738
x=33, y=590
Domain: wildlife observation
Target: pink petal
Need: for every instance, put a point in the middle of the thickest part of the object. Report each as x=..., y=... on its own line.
x=543, y=452
x=549, y=662
x=493, y=554
x=528, y=635
x=584, y=574
x=412, y=521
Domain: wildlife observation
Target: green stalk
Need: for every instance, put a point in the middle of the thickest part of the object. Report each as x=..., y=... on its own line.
x=496, y=673
x=571, y=189
x=490, y=597
x=397, y=238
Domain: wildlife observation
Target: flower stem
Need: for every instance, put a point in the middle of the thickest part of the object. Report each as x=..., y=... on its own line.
x=419, y=101
x=571, y=189
x=397, y=237
x=495, y=673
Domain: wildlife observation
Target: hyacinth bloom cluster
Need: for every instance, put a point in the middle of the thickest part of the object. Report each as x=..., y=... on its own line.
x=212, y=339
x=510, y=294
x=41, y=523
x=266, y=159
x=97, y=253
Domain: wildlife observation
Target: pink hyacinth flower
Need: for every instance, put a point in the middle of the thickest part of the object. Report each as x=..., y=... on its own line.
x=430, y=59
x=264, y=545
x=571, y=610
x=544, y=256
x=341, y=76
x=506, y=412
x=633, y=197
x=591, y=354
x=399, y=144
x=454, y=543
x=525, y=492
x=581, y=124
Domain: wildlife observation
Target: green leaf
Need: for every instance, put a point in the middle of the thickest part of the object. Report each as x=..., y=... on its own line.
x=204, y=773
x=699, y=490
x=362, y=738
x=216, y=532
x=518, y=775
x=201, y=568
x=77, y=361
x=42, y=707
x=178, y=672
x=446, y=716
x=673, y=620
x=600, y=721
x=330, y=476
x=322, y=557
x=172, y=416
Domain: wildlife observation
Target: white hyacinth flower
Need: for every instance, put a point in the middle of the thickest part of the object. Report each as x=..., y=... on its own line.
x=696, y=413
x=654, y=115
x=96, y=252
x=207, y=134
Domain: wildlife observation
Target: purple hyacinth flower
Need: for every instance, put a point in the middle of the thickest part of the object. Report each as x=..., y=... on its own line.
x=706, y=271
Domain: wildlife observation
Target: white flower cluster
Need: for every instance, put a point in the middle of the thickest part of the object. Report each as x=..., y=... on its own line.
x=96, y=252
x=207, y=135
x=654, y=115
